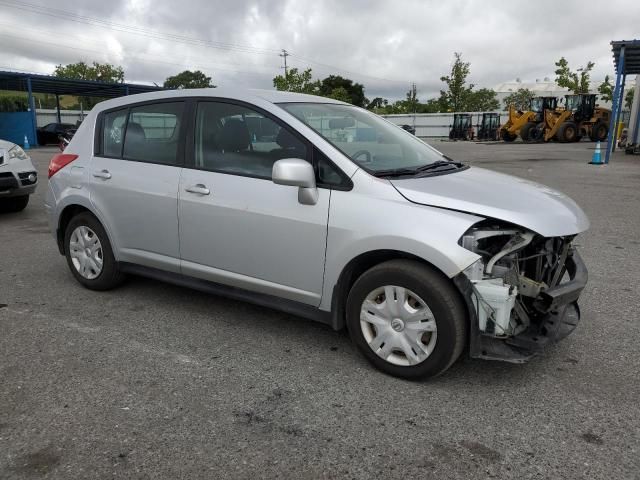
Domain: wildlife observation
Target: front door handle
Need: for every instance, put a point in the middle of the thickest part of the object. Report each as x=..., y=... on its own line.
x=102, y=174
x=199, y=188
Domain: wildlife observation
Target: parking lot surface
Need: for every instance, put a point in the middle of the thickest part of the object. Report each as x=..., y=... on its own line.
x=157, y=381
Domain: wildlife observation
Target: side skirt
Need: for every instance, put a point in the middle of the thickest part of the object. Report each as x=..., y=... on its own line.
x=269, y=301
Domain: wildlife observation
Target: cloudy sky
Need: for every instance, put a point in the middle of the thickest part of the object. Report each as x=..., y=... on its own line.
x=385, y=45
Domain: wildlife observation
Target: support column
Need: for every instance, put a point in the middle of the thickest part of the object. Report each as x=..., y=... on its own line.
x=615, y=132
x=634, y=118
x=58, y=108
x=32, y=107
x=614, y=113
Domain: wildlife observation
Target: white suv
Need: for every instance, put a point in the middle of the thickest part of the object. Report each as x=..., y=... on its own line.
x=323, y=210
x=18, y=177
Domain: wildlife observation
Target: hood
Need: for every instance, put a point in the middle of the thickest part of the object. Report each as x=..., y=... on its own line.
x=490, y=194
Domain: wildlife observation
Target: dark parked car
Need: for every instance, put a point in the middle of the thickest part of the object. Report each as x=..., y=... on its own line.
x=49, y=133
x=409, y=129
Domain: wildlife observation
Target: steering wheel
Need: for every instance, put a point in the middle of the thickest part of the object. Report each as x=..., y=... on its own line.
x=359, y=153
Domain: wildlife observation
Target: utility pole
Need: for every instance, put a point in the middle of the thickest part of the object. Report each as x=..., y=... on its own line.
x=414, y=100
x=284, y=56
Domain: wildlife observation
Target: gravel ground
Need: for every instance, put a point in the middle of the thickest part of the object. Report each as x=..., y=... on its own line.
x=157, y=381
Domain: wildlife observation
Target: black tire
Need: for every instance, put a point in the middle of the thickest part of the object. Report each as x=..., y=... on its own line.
x=110, y=276
x=525, y=131
x=507, y=137
x=568, y=132
x=599, y=132
x=440, y=296
x=14, y=204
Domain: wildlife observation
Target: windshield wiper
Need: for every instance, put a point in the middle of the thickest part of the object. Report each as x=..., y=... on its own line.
x=398, y=172
x=395, y=172
x=438, y=164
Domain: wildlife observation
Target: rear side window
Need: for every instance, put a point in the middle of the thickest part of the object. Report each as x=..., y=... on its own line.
x=113, y=124
x=152, y=133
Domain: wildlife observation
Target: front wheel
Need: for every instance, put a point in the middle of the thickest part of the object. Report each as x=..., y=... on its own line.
x=407, y=319
x=508, y=137
x=89, y=254
x=14, y=204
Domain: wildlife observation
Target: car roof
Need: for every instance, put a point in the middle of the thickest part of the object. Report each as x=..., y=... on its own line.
x=248, y=95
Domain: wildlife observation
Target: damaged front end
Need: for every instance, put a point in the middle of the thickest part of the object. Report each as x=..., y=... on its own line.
x=521, y=293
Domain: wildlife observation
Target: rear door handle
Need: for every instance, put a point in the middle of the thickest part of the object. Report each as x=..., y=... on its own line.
x=199, y=188
x=102, y=174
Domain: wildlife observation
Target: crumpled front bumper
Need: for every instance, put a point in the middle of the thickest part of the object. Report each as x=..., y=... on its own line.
x=562, y=315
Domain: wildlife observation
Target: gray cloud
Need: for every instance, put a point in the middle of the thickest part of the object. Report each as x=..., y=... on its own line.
x=384, y=45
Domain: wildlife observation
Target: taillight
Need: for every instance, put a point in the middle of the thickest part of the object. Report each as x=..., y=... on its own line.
x=59, y=161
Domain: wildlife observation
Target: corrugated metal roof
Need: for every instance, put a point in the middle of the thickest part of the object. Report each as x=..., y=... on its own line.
x=631, y=56
x=17, y=81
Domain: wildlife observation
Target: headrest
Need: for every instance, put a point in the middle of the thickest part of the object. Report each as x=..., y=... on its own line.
x=234, y=136
x=135, y=130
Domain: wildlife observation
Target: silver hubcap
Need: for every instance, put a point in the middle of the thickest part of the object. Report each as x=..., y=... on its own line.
x=398, y=325
x=86, y=252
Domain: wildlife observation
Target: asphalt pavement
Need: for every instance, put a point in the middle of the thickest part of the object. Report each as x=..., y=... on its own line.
x=157, y=381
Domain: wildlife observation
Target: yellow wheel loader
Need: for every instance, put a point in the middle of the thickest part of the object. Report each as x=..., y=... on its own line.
x=528, y=124
x=580, y=117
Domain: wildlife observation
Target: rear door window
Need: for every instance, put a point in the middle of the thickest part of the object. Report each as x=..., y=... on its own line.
x=152, y=133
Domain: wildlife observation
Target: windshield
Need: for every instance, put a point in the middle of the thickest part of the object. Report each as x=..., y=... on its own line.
x=536, y=105
x=370, y=141
x=573, y=101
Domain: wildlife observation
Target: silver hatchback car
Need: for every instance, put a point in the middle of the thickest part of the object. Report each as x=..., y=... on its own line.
x=323, y=210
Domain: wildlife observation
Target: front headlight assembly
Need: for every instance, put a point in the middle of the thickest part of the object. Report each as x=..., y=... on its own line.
x=16, y=153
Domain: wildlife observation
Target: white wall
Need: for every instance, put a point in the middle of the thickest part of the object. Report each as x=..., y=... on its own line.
x=45, y=116
x=436, y=124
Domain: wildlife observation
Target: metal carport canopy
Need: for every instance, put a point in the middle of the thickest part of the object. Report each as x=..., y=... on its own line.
x=626, y=59
x=19, y=81
x=631, y=56
x=37, y=83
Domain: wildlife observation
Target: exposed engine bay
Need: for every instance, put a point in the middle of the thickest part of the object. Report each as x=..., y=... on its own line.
x=524, y=287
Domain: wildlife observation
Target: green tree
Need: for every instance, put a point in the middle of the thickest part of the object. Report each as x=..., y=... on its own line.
x=606, y=89
x=628, y=98
x=333, y=83
x=520, y=99
x=578, y=81
x=295, y=81
x=432, y=106
x=188, y=79
x=456, y=95
x=101, y=72
x=482, y=100
x=339, y=93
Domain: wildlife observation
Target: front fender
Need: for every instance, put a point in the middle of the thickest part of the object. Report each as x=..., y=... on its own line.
x=428, y=233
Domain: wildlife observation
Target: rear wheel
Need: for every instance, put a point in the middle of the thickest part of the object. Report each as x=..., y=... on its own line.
x=89, y=254
x=407, y=319
x=568, y=132
x=599, y=132
x=14, y=204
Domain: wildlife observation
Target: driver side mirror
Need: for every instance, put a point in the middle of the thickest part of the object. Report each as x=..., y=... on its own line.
x=297, y=173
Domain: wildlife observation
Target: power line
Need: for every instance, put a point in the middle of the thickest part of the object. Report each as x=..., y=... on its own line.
x=144, y=58
x=73, y=17
x=333, y=67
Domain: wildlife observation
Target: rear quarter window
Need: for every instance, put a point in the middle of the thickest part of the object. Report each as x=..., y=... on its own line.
x=113, y=124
